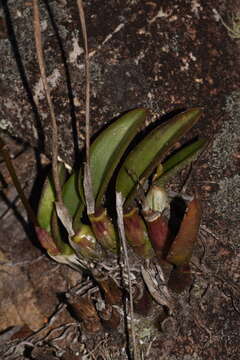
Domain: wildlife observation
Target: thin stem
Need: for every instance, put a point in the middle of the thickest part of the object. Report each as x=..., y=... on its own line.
x=194, y=165
x=87, y=173
x=16, y=182
x=119, y=205
x=42, y=67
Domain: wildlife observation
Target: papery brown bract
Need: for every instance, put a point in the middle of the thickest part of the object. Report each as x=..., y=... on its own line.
x=84, y=310
x=181, y=249
x=112, y=294
x=110, y=317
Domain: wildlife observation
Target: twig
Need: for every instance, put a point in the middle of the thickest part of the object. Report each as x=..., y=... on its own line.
x=42, y=67
x=87, y=171
x=160, y=294
x=119, y=205
x=234, y=31
x=16, y=182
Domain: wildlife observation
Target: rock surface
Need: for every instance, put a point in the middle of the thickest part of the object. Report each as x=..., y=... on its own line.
x=161, y=55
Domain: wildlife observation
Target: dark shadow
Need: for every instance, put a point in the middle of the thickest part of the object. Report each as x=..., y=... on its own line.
x=185, y=144
x=3, y=183
x=177, y=211
x=26, y=225
x=26, y=85
x=23, y=76
x=161, y=120
x=41, y=173
x=68, y=83
x=37, y=187
x=28, y=348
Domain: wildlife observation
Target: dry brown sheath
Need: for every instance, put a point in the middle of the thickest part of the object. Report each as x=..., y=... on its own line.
x=182, y=247
x=112, y=294
x=110, y=317
x=84, y=310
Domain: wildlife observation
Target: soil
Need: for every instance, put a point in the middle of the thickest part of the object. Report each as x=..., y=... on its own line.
x=165, y=56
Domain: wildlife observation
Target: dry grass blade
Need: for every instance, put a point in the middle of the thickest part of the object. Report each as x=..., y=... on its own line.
x=119, y=205
x=160, y=294
x=42, y=67
x=65, y=218
x=87, y=173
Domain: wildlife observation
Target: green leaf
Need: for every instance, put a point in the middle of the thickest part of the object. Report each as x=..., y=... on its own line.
x=109, y=147
x=179, y=160
x=70, y=194
x=142, y=160
x=77, y=221
x=46, y=204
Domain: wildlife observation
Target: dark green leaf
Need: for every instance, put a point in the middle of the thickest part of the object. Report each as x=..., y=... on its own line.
x=108, y=148
x=143, y=159
x=47, y=199
x=178, y=161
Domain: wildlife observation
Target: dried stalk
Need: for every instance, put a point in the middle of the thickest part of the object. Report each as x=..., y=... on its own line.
x=16, y=182
x=42, y=67
x=119, y=206
x=87, y=172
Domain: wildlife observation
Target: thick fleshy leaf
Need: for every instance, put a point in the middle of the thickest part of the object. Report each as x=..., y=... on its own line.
x=104, y=230
x=158, y=232
x=178, y=161
x=142, y=160
x=71, y=197
x=85, y=243
x=47, y=216
x=109, y=147
x=47, y=242
x=137, y=235
x=46, y=204
x=56, y=252
x=181, y=250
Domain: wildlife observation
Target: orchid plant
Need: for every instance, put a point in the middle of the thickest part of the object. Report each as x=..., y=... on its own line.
x=138, y=168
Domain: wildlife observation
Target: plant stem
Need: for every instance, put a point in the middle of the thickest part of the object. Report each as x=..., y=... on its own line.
x=16, y=182
x=42, y=67
x=87, y=171
x=119, y=205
